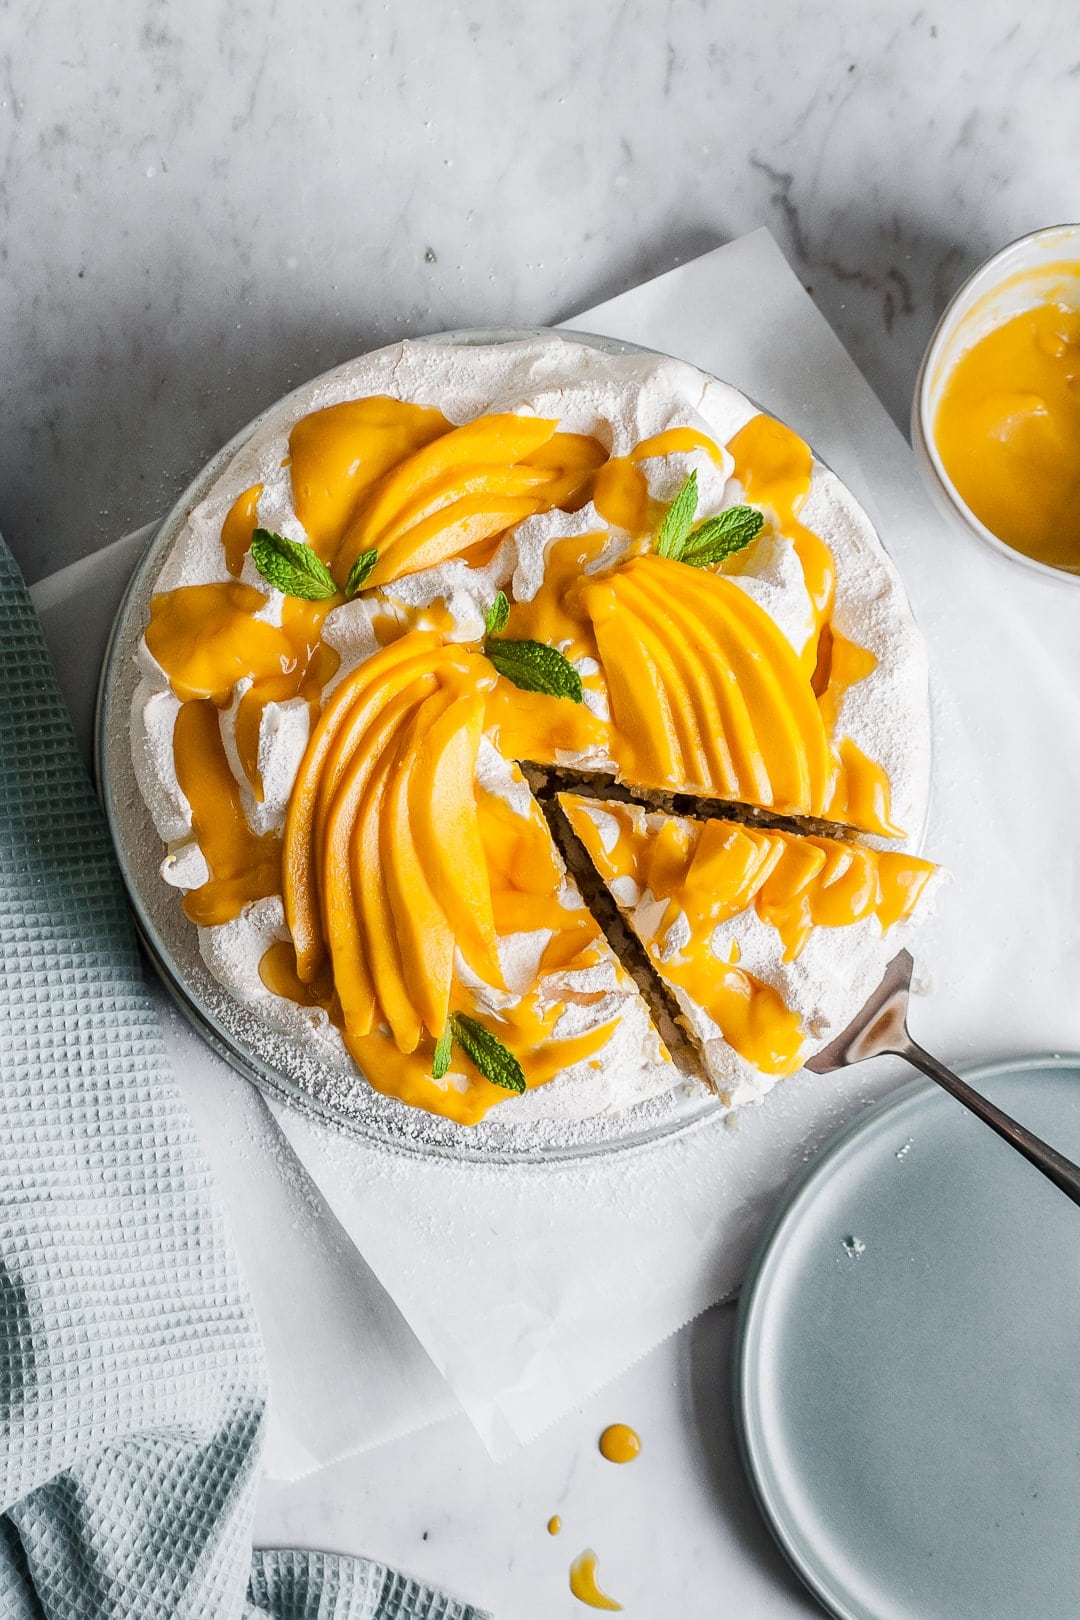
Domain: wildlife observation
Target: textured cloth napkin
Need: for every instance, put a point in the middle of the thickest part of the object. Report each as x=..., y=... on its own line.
x=132, y=1381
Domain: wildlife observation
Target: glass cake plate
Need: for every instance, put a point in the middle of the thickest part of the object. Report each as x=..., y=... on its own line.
x=333, y=1093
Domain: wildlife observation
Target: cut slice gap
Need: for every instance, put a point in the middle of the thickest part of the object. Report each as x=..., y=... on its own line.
x=664, y=1009
x=547, y=782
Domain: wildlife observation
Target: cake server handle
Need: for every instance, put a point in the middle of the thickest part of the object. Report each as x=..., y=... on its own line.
x=881, y=1027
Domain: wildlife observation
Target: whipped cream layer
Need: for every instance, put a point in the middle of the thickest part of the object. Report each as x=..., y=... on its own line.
x=621, y=401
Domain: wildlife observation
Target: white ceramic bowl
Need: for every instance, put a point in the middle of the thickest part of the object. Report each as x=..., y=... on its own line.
x=1032, y=270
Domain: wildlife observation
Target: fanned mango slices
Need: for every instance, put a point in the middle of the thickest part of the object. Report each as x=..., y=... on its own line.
x=384, y=868
x=463, y=488
x=300, y=861
x=706, y=693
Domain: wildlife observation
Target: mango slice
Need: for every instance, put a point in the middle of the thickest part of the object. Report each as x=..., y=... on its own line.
x=374, y=914
x=450, y=532
x=443, y=811
x=384, y=864
x=337, y=454
x=425, y=938
x=354, y=973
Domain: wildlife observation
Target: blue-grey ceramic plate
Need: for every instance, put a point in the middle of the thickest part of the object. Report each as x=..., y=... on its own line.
x=907, y=1372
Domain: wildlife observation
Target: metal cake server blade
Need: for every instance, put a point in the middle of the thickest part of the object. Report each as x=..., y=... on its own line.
x=881, y=1027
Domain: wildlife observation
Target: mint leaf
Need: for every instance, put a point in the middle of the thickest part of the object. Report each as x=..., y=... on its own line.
x=443, y=1048
x=535, y=667
x=720, y=536
x=498, y=613
x=291, y=568
x=495, y=1062
x=359, y=572
x=678, y=518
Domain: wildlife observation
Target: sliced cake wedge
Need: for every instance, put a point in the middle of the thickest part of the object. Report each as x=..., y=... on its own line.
x=768, y=941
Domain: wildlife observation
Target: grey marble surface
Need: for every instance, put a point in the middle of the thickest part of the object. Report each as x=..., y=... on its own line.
x=206, y=202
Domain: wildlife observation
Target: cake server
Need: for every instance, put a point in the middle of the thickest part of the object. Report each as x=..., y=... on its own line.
x=881, y=1027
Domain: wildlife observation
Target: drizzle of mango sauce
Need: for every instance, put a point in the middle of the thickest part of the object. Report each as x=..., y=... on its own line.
x=619, y=1443
x=861, y=795
x=532, y=725
x=526, y=1029
x=526, y=883
x=774, y=467
x=206, y=639
x=585, y=1586
x=621, y=490
x=244, y=866
x=239, y=526
x=277, y=970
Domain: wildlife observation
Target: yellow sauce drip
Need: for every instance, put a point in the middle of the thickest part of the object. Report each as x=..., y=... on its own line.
x=709, y=872
x=583, y=1582
x=243, y=866
x=554, y=1525
x=619, y=1443
x=239, y=525
x=277, y=970
x=861, y=795
x=621, y=492
x=206, y=640
x=673, y=441
x=1008, y=432
x=774, y=467
x=464, y=1095
x=556, y=614
x=621, y=496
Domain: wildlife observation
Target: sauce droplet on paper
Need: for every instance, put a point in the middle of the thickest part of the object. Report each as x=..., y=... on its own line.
x=583, y=1582
x=554, y=1525
x=619, y=1443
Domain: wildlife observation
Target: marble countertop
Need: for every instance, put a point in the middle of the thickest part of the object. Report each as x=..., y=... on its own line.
x=205, y=205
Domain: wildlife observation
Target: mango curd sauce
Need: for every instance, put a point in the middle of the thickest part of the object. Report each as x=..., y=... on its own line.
x=1008, y=432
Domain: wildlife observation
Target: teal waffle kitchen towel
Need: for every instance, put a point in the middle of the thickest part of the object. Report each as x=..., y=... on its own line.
x=132, y=1384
